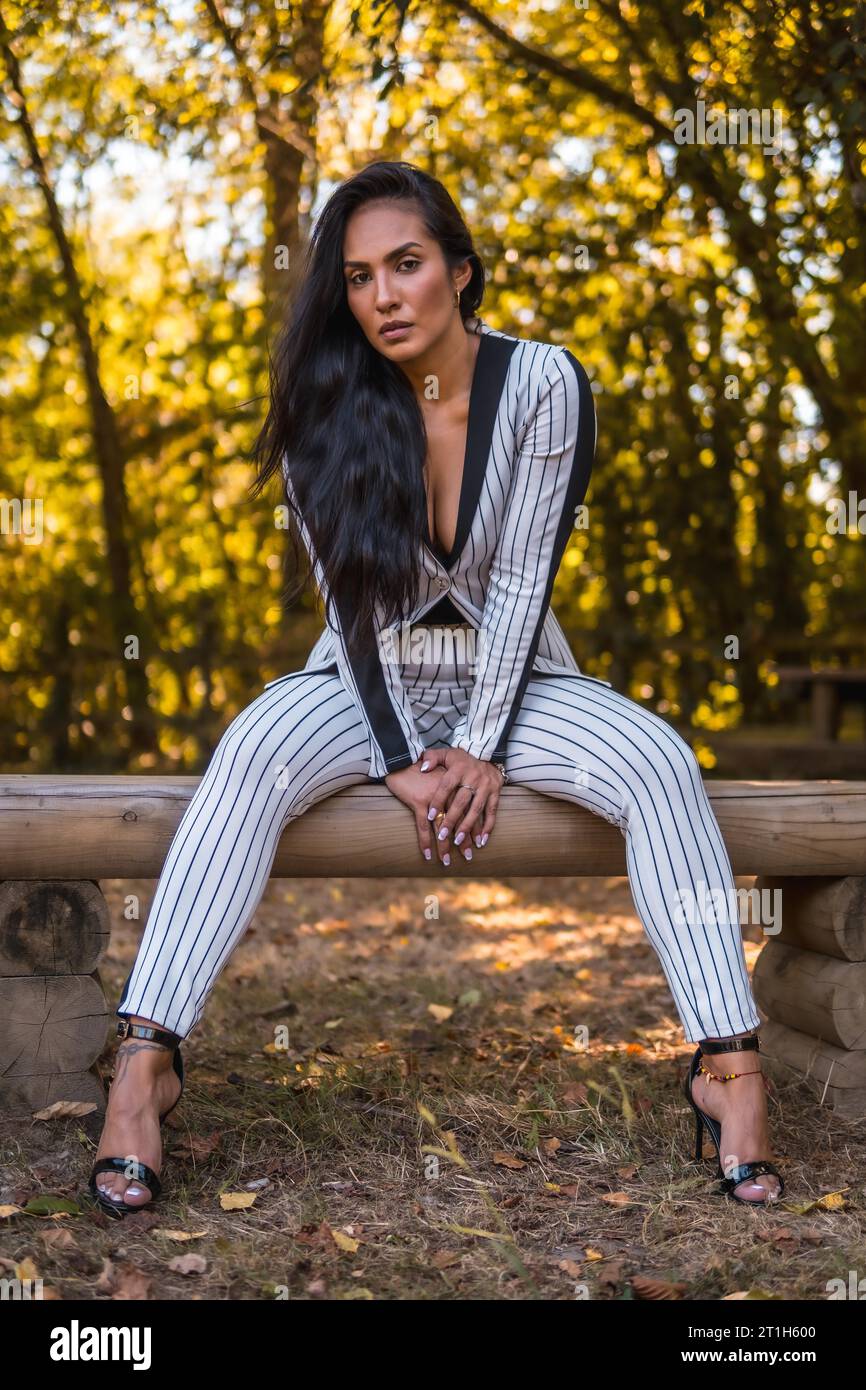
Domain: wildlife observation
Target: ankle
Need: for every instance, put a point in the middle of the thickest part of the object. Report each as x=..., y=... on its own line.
x=731, y=1057
x=141, y=1059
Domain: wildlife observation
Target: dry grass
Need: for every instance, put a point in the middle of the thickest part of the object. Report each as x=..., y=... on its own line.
x=561, y=1173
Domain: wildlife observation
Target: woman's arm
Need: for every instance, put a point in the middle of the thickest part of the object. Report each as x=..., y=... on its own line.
x=548, y=482
x=373, y=680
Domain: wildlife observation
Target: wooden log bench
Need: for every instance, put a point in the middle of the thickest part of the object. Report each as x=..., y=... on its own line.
x=59, y=835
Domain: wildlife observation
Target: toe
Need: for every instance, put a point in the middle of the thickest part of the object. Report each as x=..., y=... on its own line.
x=111, y=1186
x=116, y=1188
x=136, y=1195
x=750, y=1192
x=761, y=1189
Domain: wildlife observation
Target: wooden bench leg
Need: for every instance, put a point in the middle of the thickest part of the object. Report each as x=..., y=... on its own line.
x=825, y=710
x=810, y=982
x=55, y=1015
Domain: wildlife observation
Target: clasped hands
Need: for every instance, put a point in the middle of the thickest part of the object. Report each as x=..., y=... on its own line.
x=453, y=797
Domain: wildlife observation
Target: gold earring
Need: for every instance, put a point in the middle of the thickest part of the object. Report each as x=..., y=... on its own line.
x=456, y=299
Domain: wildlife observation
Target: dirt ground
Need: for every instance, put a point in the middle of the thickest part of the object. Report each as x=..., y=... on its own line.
x=396, y=1095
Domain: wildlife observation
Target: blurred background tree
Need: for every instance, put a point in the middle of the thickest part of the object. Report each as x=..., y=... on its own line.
x=162, y=165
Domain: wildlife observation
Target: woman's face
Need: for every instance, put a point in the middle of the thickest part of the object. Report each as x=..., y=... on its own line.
x=393, y=271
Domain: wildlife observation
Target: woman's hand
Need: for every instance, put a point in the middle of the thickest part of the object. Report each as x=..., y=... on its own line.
x=468, y=792
x=417, y=789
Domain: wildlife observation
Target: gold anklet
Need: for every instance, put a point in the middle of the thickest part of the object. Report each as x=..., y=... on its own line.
x=728, y=1075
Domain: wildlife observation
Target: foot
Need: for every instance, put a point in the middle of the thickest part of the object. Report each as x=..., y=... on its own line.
x=144, y=1086
x=740, y=1106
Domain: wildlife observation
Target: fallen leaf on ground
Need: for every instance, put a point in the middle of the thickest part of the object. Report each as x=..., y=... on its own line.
x=48, y=1204
x=831, y=1201
x=188, y=1264
x=236, y=1201
x=444, y=1259
x=123, y=1281
x=59, y=1238
x=611, y=1274
x=65, y=1109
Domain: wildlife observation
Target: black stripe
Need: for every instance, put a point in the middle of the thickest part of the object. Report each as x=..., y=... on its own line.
x=581, y=467
x=488, y=383
x=378, y=709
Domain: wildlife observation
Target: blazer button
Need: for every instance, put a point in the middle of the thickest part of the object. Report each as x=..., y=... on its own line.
x=441, y=583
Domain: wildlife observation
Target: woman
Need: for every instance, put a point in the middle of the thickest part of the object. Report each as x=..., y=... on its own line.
x=384, y=379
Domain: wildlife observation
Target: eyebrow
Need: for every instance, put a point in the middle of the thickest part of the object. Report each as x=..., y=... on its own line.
x=391, y=256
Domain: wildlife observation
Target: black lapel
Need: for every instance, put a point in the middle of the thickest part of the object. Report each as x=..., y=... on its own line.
x=488, y=382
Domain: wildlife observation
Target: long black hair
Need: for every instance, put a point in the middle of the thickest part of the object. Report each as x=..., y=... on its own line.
x=344, y=420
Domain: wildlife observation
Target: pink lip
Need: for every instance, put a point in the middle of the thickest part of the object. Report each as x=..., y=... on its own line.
x=394, y=330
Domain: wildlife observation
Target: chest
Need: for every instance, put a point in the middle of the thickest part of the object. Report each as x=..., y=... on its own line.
x=444, y=473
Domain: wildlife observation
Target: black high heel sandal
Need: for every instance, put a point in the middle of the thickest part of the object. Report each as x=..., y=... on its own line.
x=131, y=1168
x=743, y=1171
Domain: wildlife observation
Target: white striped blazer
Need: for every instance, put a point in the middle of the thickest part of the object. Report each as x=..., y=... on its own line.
x=530, y=445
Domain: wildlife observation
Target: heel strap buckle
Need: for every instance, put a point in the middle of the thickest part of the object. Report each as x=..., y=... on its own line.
x=749, y=1044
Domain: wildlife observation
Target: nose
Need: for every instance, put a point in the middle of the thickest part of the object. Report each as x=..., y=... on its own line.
x=385, y=297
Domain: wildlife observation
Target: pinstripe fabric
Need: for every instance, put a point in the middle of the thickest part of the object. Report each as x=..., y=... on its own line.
x=574, y=738
x=523, y=700
x=531, y=437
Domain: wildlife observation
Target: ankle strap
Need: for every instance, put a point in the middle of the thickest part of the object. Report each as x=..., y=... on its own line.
x=125, y=1029
x=749, y=1044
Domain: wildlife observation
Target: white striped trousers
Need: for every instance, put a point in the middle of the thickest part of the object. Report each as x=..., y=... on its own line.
x=302, y=739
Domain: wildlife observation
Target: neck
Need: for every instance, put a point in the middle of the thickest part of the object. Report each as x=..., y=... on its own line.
x=450, y=360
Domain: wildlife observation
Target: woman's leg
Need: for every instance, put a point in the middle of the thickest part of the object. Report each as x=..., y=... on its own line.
x=299, y=741
x=578, y=740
